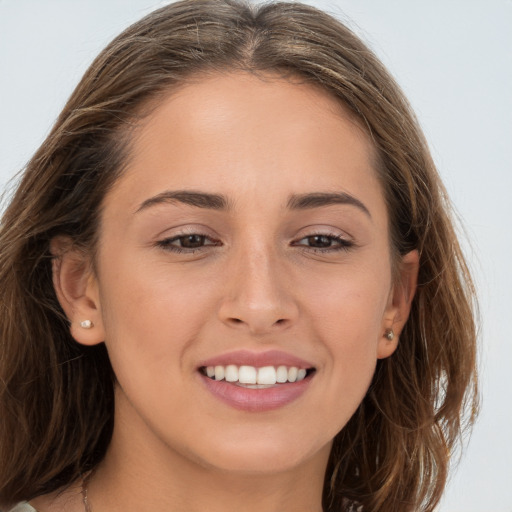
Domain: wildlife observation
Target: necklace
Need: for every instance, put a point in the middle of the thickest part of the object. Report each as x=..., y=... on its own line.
x=85, y=483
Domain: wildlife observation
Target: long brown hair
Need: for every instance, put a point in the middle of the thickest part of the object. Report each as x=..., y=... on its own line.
x=56, y=396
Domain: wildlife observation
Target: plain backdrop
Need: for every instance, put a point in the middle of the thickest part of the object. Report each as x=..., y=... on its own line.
x=453, y=58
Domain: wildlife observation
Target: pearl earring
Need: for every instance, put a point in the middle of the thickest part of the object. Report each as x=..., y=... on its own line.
x=389, y=334
x=86, y=324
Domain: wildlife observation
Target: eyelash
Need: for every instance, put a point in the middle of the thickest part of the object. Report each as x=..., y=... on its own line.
x=166, y=243
x=343, y=243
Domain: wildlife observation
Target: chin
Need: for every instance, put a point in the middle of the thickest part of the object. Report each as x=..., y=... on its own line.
x=263, y=455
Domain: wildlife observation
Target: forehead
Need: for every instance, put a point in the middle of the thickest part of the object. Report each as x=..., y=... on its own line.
x=241, y=103
x=236, y=132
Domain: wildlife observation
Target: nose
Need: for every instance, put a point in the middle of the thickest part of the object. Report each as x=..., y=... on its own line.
x=259, y=295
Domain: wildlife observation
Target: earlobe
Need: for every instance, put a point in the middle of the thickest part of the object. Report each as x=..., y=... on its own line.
x=399, y=304
x=77, y=291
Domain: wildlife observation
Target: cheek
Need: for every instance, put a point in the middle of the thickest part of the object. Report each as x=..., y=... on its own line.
x=149, y=315
x=349, y=304
x=346, y=318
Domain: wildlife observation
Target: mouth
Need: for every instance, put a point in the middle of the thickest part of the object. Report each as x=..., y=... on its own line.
x=257, y=381
x=252, y=377
x=257, y=388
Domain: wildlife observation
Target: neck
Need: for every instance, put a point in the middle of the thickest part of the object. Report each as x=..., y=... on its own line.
x=124, y=483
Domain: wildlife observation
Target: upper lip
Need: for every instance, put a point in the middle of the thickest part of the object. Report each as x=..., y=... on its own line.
x=257, y=359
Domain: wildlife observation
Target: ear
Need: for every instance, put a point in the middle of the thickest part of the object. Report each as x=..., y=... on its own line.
x=399, y=304
x=77, y=291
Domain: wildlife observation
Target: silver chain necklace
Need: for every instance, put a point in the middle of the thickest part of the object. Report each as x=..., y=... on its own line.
x=85, y=483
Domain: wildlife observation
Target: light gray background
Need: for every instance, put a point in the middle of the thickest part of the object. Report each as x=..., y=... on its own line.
x=453, y=58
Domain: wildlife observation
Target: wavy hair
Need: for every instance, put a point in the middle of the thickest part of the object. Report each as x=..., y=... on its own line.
x=56, y=396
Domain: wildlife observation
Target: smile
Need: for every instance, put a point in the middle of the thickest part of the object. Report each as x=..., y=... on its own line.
x=256, y=378
x=257, y=382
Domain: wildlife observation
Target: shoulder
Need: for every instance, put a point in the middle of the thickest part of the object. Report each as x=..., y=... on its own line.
x=67, y=499
x=22, y=507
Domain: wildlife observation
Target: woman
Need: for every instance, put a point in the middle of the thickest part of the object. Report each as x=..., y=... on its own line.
x=230, y=280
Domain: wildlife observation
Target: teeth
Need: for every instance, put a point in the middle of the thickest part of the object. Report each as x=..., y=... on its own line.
x=282, y=374
x=250, y=375
x=219, y=372
x=247, y=375
x=231, y=373
x=267, y=375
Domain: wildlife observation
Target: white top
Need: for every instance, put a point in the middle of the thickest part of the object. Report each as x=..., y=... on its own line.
x=23, y=507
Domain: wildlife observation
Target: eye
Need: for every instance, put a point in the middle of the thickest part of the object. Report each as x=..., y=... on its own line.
x=325, y=243
x=190, y=242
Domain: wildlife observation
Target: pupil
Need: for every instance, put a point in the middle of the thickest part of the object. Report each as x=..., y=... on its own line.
x=192, y=241
x=319, y=241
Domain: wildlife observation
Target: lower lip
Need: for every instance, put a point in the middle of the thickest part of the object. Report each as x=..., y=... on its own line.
x=256, y=400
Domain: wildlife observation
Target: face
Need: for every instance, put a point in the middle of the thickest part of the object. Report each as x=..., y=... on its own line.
x=247, y=237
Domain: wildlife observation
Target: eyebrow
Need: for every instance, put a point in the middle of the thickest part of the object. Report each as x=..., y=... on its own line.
x=319, y=199
x=191, y=198
x=219, y=202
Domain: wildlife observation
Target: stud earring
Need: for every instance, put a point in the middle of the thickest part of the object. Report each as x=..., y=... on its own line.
x=389, y=334
x=86, y=324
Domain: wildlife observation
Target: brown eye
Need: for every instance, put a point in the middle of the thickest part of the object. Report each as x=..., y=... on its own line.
x=320, y=241
x=324, y=243
x=191, y=241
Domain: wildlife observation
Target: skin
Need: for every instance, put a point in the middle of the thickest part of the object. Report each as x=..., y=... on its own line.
x=258, y=283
